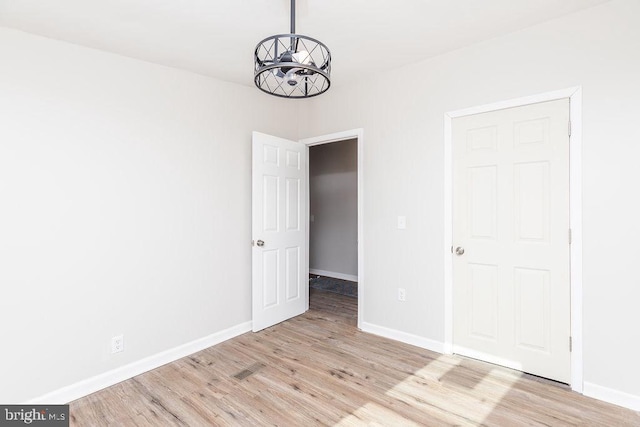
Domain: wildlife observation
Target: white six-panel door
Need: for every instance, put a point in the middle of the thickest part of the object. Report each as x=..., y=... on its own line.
x=280, y=276
x=511, y=285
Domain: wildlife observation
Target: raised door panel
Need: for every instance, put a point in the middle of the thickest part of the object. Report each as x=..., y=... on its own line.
x=485, y=138
x=532, y=313
x=528, y=133
x=271, y=279
x=293, y=285
x=271, y=155
x=483, y=295
x=532, y=201
x=293, y=204
x=293, y=159
x=271, y=207
x=482, y=202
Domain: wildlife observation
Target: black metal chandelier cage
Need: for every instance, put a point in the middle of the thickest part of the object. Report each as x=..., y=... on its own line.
x=292, y=65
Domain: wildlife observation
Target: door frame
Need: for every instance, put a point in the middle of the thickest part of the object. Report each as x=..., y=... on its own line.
x=357, y=134
x=575, y=215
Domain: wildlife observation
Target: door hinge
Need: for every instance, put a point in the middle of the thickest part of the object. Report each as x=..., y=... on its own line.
x=570, y=344
x=570, y=237
x=569, y=128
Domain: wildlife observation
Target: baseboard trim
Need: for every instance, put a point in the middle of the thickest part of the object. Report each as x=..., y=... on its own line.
x=610, y=395
x=91, y=385
x=404, y=337
x=333, y=274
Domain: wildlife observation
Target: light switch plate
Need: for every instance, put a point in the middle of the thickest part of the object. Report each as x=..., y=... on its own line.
x=402, y=222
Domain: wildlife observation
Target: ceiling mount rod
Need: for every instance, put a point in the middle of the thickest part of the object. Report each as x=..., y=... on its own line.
x=293, y=16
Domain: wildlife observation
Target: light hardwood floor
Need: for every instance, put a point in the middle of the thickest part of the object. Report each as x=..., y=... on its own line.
x=318, y=369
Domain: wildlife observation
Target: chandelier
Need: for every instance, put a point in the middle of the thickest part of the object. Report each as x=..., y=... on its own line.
x=292, y=65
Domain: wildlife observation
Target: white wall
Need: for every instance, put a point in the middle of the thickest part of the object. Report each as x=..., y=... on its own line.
x=333, y=190
x=402, y=116
x=124, y=208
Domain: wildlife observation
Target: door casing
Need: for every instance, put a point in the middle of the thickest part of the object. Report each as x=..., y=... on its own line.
x=575, y=215
x=341, y=136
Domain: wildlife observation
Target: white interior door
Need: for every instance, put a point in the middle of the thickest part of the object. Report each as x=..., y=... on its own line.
x=280, y=266
x=511, y=285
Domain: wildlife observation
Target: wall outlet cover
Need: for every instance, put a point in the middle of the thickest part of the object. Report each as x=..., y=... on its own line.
x=117, y=344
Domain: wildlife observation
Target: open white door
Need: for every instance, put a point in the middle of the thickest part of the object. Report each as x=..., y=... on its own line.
x=280, y=268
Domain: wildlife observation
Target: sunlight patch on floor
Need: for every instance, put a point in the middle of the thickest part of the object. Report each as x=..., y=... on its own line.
x=372, y=414
x=426, y=389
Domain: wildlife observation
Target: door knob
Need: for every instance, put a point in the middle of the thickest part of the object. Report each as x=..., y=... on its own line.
x=459, y=250
x=260, y=243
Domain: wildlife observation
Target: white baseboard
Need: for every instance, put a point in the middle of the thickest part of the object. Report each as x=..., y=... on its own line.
x=610, y=395
x=333, y=274
x=404, y=337
x=91, y=385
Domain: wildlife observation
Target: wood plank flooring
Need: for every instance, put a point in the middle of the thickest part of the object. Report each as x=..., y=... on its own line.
x=318, y=369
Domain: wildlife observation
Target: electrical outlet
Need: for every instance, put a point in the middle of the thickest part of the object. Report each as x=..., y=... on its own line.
x=402, y=294
x=117, y=344
x=402, y=222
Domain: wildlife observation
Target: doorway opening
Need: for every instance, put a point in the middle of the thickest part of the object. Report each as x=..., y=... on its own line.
x=333, y=226
x=336, y=256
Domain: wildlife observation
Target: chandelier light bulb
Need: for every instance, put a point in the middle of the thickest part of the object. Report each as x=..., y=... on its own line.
x=291, y=77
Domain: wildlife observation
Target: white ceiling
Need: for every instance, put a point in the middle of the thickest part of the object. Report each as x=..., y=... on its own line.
x=217, y=38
